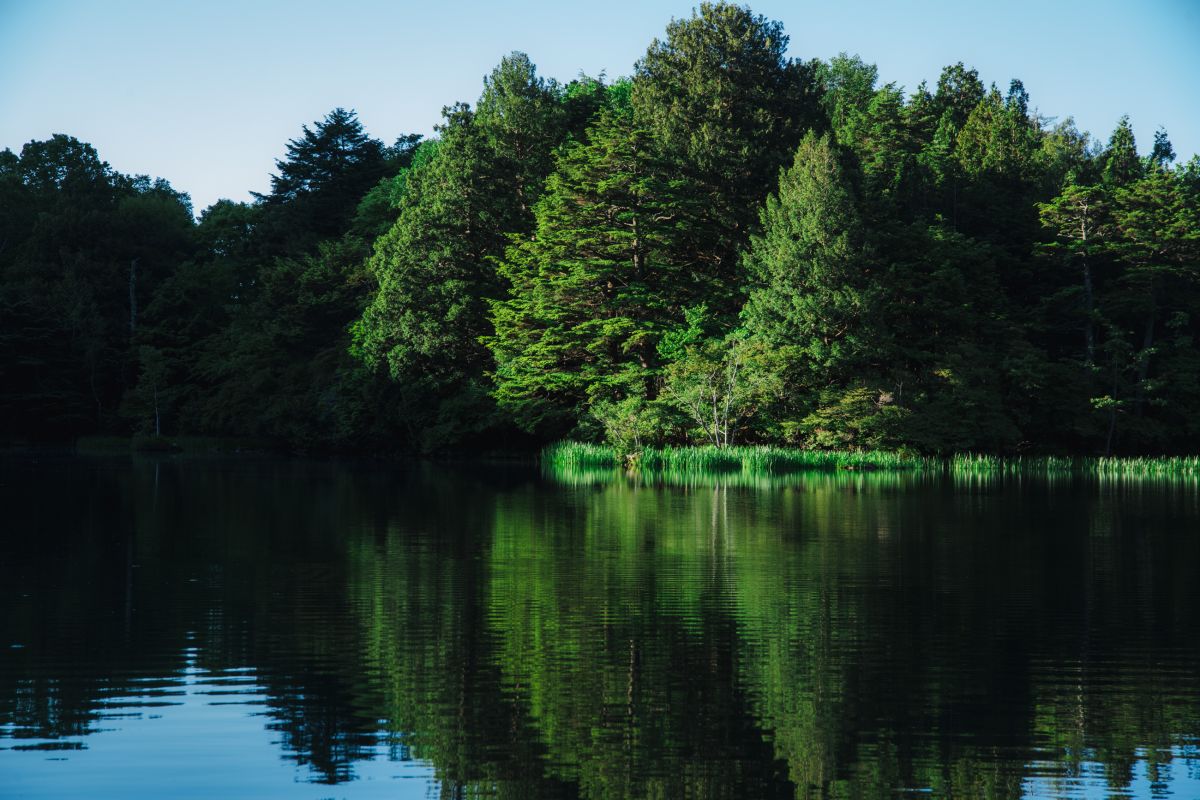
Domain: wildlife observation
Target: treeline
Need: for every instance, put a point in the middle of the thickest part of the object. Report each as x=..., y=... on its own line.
x=730, y=246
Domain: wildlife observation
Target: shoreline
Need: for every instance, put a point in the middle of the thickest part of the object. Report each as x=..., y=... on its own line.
x=768, y=460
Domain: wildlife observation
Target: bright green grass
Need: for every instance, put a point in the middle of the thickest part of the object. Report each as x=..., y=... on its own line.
x=686, y=463
x=1113, y=467
x=754, y=459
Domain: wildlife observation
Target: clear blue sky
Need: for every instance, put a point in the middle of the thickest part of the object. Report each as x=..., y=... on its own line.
x=206, y=94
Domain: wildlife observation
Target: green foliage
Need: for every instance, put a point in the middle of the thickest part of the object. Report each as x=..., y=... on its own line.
x=428, y=310
x=319, y=184
x=721, y=385
x=594, y=289
x=810, y=295
x=1121, y=163
x=858, y=416
x=728, y=246
x=84, y=250
x=750, y=460
x=151, y=398
x=726, y=107
x=434, y=267
x=807, y=270
x=628, y=423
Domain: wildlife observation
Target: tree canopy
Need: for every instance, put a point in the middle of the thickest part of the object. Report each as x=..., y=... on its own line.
x=730, y=244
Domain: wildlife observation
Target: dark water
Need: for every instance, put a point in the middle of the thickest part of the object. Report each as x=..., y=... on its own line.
x=222, y=629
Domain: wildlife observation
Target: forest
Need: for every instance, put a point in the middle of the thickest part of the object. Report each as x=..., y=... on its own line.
x=730, y=246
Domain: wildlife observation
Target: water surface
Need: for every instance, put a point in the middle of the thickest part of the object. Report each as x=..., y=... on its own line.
x=189, y=627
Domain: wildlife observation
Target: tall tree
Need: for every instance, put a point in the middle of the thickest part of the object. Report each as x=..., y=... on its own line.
x=1077, y=219
x=435, y=267
x=595, y=287
x=727, y=108
x=1158, y=242
x=810, y=295
x=521, y=117
x=807, y=269
x=1121, y=163
x=1162, y=154
x=84, y=249
x=319, y=182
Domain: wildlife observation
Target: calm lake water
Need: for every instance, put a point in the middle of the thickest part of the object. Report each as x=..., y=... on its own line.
x=255, y=628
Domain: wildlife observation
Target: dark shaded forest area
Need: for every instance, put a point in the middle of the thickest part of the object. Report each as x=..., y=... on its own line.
x=730, y=246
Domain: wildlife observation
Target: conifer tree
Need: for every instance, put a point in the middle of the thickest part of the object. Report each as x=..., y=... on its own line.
x=594, y=288
x=435, y=267
x=1121, y=163
x=809, y=287
x=727, y=108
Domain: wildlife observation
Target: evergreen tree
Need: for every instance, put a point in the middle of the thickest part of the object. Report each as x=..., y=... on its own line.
x=1157, y=240
x=958, y=92
x=1078, y=218
x=435, y=267
x=847, y=86
x=1162, y=154
x=319, y=183
x=727, y=108
x=432, y=266
x=808, y=272
x=594, y=289
x=522, y=118
x=1121, y=163
x=997, y=150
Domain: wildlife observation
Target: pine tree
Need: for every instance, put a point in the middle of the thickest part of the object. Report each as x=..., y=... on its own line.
x=319, y=183
x=1162, y=154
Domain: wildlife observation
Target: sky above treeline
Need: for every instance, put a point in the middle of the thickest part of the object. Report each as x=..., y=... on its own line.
x=207, y=94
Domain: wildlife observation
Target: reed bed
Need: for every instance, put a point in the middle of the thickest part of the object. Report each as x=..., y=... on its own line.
x=579, y=455
x=763, y=460
x=1103, y=467
x=689, y=462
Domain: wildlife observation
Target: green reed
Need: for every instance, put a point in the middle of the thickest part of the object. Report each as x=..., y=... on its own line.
x=746, y=459
x=685, y=464
x=1101, y=467
x=577, y=455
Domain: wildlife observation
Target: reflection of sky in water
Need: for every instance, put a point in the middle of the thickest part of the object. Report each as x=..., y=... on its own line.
x=296, y=630
x=197, y=735
x=203, y=734
x=1178, y=779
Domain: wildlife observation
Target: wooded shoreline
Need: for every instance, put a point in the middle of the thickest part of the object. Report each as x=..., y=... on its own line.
x=731, y=245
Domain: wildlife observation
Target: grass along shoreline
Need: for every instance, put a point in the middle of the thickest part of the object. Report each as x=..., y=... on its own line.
x=772, y=460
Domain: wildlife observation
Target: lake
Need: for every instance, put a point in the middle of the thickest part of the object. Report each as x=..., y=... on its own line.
x=203, y=627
